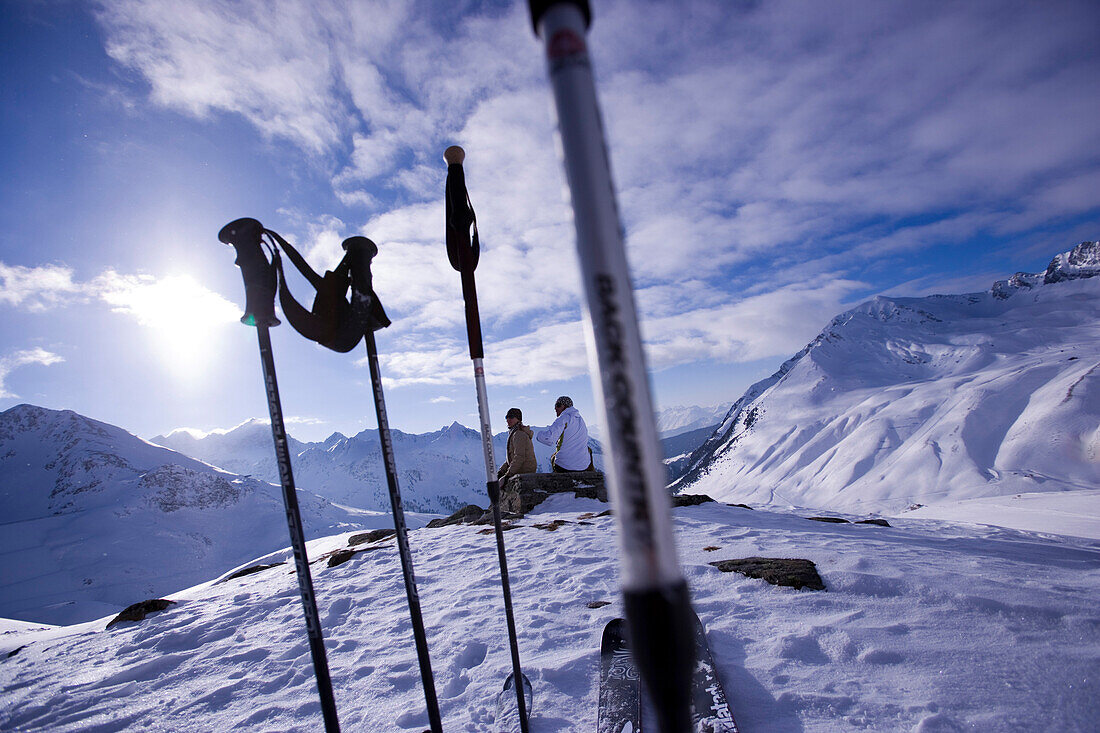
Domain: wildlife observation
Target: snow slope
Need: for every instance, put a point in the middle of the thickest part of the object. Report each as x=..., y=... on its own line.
x=95, y=519
x=904, y=401
x=926, y=626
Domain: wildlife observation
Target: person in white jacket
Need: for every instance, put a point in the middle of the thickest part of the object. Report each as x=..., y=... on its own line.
x=570, y=434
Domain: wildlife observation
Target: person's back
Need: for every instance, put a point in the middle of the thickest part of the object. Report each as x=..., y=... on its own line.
x=570, y=434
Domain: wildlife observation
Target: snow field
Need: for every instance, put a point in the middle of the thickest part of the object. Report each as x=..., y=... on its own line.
x=926, y=626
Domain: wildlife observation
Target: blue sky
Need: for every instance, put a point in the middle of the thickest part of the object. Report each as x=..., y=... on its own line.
x=776, y=164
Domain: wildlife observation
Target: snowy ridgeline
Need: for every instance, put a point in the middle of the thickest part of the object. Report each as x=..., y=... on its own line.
x=923, y=627
x=927, y=401
x=439, y=471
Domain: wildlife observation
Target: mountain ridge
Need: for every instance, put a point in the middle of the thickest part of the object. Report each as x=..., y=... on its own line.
x=915, y=400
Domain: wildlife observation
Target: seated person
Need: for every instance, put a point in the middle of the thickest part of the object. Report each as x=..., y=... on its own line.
x=570, y=434
x=521, y=452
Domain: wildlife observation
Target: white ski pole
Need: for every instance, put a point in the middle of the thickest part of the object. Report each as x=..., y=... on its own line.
x=655, y=594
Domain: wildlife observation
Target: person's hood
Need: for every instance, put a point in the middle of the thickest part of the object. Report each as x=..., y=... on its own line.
x=524, y=428
x=570, y=411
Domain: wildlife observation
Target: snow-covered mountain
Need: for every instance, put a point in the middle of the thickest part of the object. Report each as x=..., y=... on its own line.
x=677, y=420
x=905, y=401
x=439, y=471
x=95, y=519
x=925, y=627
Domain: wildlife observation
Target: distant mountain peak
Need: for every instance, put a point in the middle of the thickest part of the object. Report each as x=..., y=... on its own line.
x=1082, y=261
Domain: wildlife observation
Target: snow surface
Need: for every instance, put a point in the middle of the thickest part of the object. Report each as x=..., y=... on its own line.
x=926, y=626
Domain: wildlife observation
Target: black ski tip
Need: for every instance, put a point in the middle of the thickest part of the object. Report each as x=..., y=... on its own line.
x=510, y=682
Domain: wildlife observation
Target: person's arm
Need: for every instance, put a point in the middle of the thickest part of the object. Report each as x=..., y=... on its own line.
x=550, y=435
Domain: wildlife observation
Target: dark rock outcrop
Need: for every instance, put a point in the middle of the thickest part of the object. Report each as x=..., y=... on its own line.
x=524, y=492
x=139, y=611
x=466, y=515
x=250, y=570
x=679, y=500
x=373, y=536
x=793, y=573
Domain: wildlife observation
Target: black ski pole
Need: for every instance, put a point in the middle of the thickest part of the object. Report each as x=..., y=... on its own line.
x=259, y=285
x=361, y=251
x=655, y=594
x=463, y=253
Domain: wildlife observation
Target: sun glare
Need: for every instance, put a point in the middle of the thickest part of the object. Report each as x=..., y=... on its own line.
x=184, y=317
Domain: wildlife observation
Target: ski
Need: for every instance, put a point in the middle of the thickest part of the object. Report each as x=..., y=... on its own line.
x=711, y=710
x=620, y=687
x=509, y=718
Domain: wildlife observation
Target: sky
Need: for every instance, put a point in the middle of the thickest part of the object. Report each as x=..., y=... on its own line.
x=776, y=164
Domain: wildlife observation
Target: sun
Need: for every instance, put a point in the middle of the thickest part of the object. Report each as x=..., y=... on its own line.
x=183, y=317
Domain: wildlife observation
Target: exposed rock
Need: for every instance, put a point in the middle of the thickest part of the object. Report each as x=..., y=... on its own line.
x=340, y=557
x=743, y=506
x=879, y=522
x=599, y=604
x=679, y=500
x=834, y=520
x=1080, y=262
x=249, y=571
x=15, y=651
x=524, y=492
x=552, y=526
x=793, y=573
x=711, y=548
x=373, y=536
x=465, y=515
x=504, y=527
x=139, y=611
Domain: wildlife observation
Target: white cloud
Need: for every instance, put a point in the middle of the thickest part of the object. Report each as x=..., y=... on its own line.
x=174, y=302
x=38, y=289
x=21, y=358
x=753, y=145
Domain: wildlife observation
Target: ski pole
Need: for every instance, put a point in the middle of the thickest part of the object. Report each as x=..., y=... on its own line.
x=361, y=251
x=259, y=286
x=655, y=594
x=463, y=253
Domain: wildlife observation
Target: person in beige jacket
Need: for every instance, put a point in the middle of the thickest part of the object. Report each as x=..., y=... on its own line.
x=521, y=452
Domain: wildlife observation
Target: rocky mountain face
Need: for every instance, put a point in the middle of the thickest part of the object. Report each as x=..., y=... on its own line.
x=96, y=518
x=905, y=401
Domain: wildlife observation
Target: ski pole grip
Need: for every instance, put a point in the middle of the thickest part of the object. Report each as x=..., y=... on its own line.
x=360, y=253
x=539, y=7
x=260, y=278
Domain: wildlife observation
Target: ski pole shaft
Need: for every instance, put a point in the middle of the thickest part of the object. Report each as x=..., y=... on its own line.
x=362, y=250
x=463, y=253
x=260, y=283
x=655, y=594
x=297, y=536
